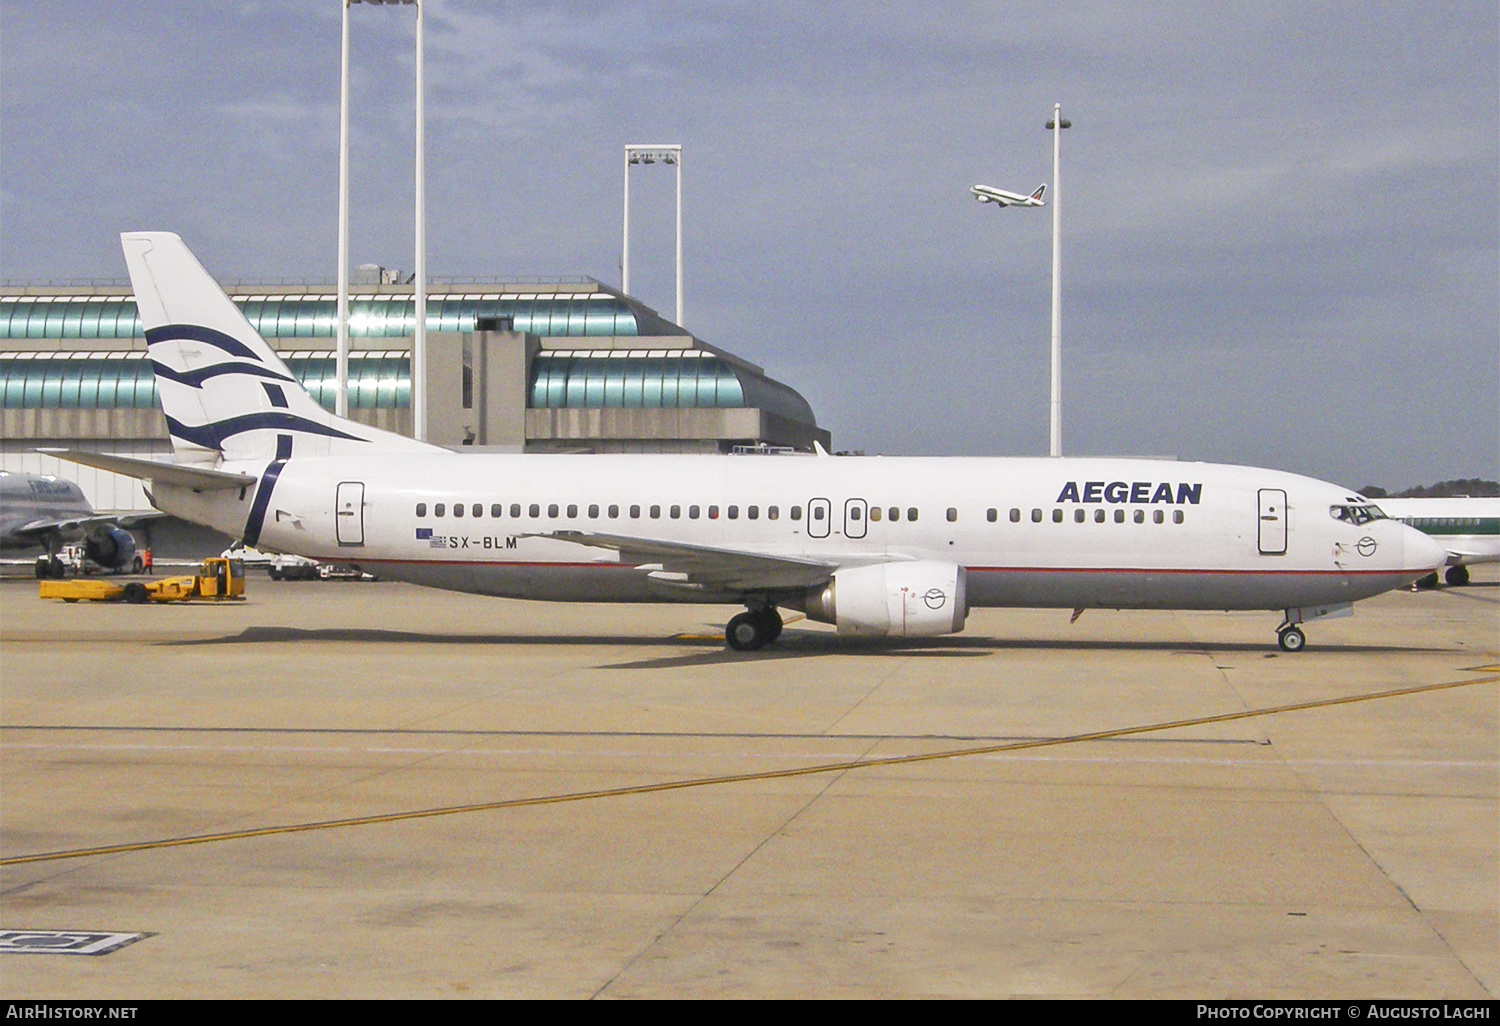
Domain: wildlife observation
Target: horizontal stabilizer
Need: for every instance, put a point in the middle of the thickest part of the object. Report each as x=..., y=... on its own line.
x=199, y=479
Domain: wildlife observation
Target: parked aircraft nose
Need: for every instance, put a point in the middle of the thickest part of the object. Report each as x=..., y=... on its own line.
x=1421, y=553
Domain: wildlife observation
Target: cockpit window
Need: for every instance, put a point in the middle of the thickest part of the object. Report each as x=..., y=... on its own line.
x=1356, y=514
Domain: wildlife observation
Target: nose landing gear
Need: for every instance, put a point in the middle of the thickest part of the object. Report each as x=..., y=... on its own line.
x=1290, y=638
x=753, y=629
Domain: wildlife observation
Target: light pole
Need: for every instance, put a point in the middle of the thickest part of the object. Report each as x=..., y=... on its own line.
x=1056, y=125
x=419, y=339
x=640, y=154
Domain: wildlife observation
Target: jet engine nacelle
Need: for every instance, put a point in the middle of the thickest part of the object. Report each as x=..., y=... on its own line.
x=113, y=549
x=912, y=599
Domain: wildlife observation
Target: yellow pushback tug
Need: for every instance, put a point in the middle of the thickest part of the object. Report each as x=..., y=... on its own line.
x=217, y=580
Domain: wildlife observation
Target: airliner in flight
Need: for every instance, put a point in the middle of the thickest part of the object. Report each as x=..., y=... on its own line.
x=40, y=511
x=874, y=545
x=990, y=194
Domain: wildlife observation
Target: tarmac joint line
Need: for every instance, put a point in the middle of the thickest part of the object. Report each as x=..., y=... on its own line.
x=735, y=778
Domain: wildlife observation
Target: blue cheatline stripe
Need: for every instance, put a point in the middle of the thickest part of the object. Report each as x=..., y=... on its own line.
x=211, y=436
x=196, y=378
x=198, y=333
x=262, y=501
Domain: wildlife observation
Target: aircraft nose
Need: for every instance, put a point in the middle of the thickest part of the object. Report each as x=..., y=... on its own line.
x=1422, y=553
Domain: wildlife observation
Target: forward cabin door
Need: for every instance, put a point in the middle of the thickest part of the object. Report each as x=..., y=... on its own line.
x=350, y=509
x=1272, y=522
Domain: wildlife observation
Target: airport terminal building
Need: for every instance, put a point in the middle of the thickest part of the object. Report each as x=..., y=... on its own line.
x=563, y=365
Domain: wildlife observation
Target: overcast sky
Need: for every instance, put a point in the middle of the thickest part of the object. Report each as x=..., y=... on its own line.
x=1281, y=232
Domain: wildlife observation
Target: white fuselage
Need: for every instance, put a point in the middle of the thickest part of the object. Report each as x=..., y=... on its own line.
x=1469, y=528
x=1063, y=532
x=29, y=499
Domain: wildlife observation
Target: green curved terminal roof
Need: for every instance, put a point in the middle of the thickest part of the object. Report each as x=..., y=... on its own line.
x=581, y=314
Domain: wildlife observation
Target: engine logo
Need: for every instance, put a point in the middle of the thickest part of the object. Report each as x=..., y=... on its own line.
x=1366, y=546
x=935, y=598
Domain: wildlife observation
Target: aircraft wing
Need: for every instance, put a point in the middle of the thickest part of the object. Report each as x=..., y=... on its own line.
x=36, y=530
x=732, y=569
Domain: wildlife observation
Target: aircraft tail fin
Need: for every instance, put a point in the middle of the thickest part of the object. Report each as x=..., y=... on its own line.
x=225, y=392
x=1041, y=190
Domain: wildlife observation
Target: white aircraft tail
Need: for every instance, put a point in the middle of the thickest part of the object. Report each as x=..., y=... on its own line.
x=1041, y=190
x=225, y=393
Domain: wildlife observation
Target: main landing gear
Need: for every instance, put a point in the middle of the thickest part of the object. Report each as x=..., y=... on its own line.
x=752, y=629
x=1458, y=576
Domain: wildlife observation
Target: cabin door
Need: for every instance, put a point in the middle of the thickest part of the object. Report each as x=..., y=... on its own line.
x=1272, y=522
x=350, y=509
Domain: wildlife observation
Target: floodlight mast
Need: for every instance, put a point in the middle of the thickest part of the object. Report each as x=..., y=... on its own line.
x=419, y=338
x=1056, y=125
x=636, y=153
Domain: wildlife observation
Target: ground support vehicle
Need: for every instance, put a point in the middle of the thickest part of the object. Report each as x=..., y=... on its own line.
x=217, y=580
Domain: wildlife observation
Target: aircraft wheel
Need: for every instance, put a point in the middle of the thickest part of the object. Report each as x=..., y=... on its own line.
x=1291, y=639
x=135, y=593
x=137, y=566
x=1430, y=581
x=273, y=573
x=746, y=632
x=58, y=570
x=773, y=623
x=43, y=568
x=1457, y=576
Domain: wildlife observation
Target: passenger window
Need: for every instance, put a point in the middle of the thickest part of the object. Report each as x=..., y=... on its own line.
x=817, y=513
x=1119, y=516
x=952, y=515
x=572, y=509
x=1177, y=516
x=1015, y=515
x=895, y=512
x=713, y=512
x=497, y=511
x=1157, y=517
x=875, y=513
x=535, y=510
x=752, y=512
x=854, y=513
x=552, y=509
x=1036, y=516
x=1140, y=516
x=421, y=509
x=439, y=509
x=992, y=515
x=458, y=509
x=675, y=512
x=515, y=510
x=1079, y=516
x=635, y=512
x=911, y=514
x=614, y=512
x=796, y=513
x=1057, y=516
x=1098, y=516
x=773, y=512
x=655, y=512
x=734, y=512
x=478, y=509
x=692, y=512
x=593, y=511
